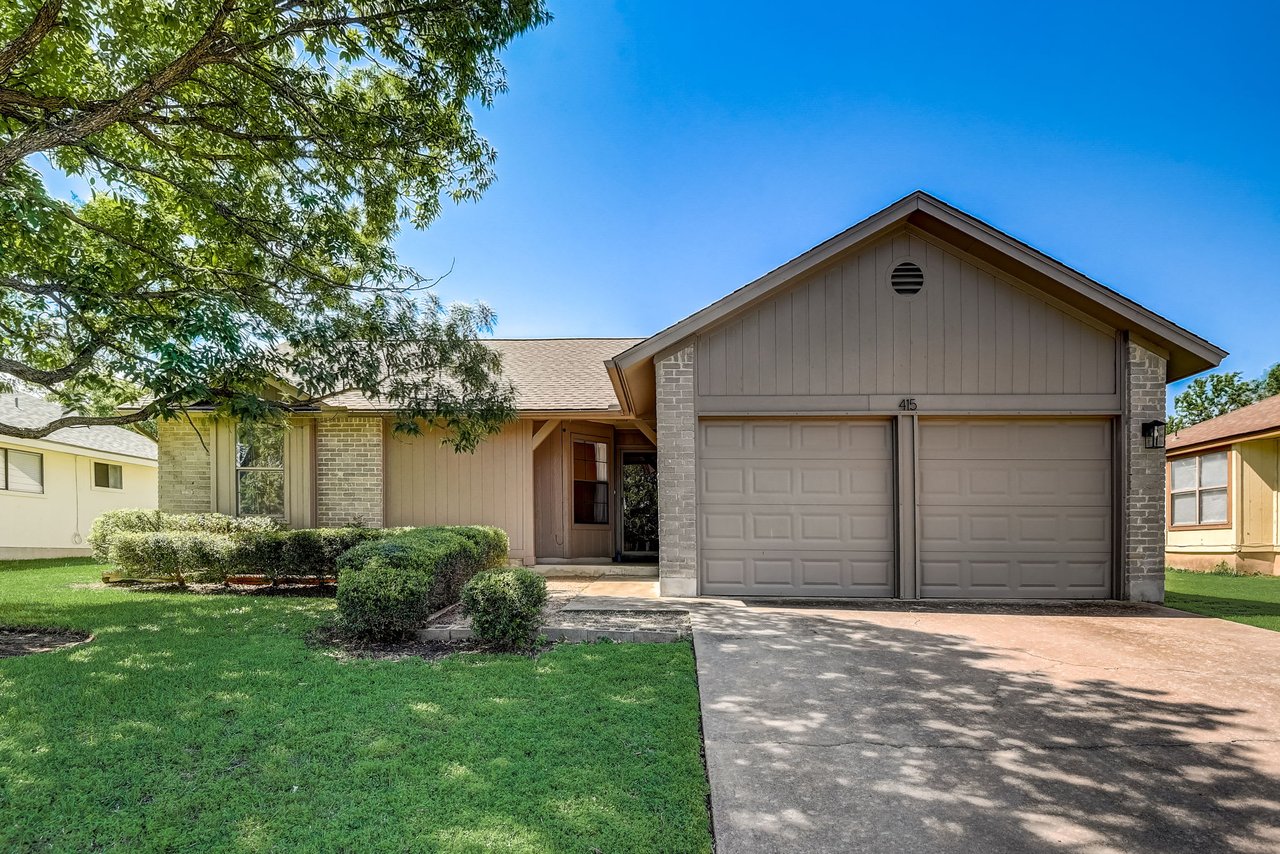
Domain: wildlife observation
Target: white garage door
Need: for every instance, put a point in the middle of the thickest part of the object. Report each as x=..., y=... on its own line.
x=1015, y=508
x=796, y=507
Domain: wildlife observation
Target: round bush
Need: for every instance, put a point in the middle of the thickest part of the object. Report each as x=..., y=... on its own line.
x=177, y=555
x=383, y=602
x=505, y=607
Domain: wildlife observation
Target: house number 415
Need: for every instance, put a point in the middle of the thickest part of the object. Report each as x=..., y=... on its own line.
x=907, y=404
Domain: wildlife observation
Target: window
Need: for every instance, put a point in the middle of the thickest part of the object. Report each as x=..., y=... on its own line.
x=590, y=483
x=23, y=471
x=1198, y=490
x=108, y=476
x=260, y=469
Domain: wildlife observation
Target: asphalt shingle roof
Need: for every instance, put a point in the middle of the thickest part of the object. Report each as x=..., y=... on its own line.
x=24, y=410
x=1255, y=418
x=548, y=373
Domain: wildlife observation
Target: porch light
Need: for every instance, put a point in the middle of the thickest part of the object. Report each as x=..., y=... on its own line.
x=1153, y=434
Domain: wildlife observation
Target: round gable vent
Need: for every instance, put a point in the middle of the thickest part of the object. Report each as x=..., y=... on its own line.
x=907, y=278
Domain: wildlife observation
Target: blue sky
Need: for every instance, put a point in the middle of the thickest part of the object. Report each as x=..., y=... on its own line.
x=654, y=156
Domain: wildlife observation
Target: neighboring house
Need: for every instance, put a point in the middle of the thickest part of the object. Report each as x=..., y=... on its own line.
x=1224, y=475
x=52, y=489
x=921, y=406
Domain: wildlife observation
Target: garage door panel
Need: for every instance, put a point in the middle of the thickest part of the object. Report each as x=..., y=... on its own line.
x=829, y=527
x=1000, y=481
x=1025, y=439
x=767, y=439
x=728, y=481
x=796, y=507
x=1021, y=575
x=1015, y=508
x=1001, y=528
x=772, y=573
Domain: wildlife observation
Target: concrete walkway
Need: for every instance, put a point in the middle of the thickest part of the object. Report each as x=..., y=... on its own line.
x=1094, y=729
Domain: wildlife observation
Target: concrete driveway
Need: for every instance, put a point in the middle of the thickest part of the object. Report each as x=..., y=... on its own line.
x=969, y=729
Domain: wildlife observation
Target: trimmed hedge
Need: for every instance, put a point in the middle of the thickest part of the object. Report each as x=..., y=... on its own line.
x=505, y=606
x=107, y=526
x=389, y=587
x=176, y=555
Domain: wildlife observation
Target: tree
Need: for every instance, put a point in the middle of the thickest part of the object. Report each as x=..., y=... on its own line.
x=244, y=165
x=1217, y=394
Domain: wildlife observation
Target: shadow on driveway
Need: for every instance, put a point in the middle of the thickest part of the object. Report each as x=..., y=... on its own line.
x=936, y=730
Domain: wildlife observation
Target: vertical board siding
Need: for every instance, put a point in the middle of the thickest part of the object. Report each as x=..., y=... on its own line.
x=429, y=484
x=843, y=331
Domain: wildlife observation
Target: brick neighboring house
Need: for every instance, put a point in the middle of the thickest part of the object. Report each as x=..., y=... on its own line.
x=1224, y=492
x=921, y=406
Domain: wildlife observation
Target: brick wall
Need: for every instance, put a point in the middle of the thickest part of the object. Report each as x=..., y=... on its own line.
x=185, y=475
x=677, y=478
x=349, y=472
x=1144, y=514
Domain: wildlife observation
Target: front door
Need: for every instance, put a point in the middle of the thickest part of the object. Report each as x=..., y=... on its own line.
x=639, y=505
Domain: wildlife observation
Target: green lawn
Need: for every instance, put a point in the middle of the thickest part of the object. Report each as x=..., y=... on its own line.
x=205, y=722
x=1250, y=599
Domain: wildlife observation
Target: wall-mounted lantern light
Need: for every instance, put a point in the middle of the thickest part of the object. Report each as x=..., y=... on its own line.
x=1153, y=434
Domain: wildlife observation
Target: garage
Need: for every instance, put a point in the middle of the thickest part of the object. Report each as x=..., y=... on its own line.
x=800, y=507
x=919, y=407
x=1015, y=508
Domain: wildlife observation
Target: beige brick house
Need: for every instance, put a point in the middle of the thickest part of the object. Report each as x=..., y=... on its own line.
x=921, y=406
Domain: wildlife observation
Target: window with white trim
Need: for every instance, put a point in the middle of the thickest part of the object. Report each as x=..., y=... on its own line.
x=260, y=469
x=1198, y=490
x=108, y=476
x=23, y=471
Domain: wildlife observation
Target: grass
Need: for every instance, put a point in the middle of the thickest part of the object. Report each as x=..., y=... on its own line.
x=1250, y=599
x=206, y=722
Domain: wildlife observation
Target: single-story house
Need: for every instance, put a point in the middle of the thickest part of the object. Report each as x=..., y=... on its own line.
x=52, y=489
x=1224, y=475
x=921, y=406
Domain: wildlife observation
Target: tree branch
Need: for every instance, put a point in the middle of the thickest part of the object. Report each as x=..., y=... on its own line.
x=29, y=39
x=177, y=71
x=75, y=420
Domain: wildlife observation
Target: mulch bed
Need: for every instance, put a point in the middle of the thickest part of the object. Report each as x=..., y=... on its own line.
x=27, y=641
x=325, y=591
x=343, y=646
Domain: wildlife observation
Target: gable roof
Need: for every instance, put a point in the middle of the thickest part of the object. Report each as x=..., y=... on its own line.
x=25, y=410
x=1256, y=418
x=549, y=374
x=1187, y=353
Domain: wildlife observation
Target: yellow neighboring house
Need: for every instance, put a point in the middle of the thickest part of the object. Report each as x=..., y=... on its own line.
x=1222, y=504
x=52, y=489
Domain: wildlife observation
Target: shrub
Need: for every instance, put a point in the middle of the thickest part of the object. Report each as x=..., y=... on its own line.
x=504, y=606
x=389, y=586
x=114, y=522
x=494, y=544
x=258, y=553
x=175, y=555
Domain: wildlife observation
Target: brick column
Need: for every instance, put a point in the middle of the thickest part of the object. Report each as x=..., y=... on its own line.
x=186, y=473
x=349, y=472
x=677, y=479
x=1144, y=513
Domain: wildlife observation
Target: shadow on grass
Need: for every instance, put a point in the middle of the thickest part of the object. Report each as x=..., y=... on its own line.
x=829, y=733
x=206, y=723
x=1223, y=606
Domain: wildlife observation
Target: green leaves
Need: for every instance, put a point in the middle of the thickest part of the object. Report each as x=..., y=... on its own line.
x=1217, y=394
x=244, y=167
